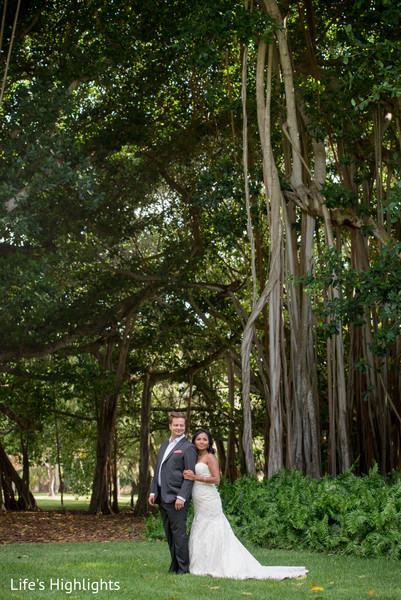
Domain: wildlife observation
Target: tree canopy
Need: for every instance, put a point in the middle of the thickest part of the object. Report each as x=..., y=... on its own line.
x=200, y=208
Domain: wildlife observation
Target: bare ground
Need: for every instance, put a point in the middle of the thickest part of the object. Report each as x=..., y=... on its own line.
x=28, y=527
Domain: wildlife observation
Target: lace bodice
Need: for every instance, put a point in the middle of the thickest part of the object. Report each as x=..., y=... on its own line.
x=201, y=468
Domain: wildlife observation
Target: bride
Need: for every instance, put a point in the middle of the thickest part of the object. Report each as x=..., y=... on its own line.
x=213, y=548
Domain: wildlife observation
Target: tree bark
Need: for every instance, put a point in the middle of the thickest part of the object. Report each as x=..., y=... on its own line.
x=114, y=506
x=230, y=468
x=100, y=502
x=272, y=290
x=25, y=458
x=338, y=365
x=142, y=505
x=247, y=439
x=2, y=507
x=9, y=476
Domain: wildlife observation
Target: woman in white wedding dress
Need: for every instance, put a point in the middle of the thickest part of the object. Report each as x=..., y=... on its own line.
x=213, y=548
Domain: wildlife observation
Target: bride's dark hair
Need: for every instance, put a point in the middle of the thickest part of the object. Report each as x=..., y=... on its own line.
x=210, y=448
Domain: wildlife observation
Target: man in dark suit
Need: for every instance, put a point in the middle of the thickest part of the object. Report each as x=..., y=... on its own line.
x=172, y=492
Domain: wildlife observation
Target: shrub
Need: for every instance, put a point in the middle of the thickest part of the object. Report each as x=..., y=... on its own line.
x=346, y=514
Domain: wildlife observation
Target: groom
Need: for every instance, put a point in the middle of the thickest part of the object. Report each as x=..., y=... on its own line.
x=172, y=492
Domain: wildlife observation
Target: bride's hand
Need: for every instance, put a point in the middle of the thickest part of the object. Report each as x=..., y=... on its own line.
x=188, y=474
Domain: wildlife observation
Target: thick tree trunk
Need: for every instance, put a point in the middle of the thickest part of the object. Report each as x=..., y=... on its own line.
x=10, y=477
x=230, y=469
x=25, y=459
x=142, y=506
x=116, y=485
x=100, y=502
x=339, y=397
x=2, y=507
x=221, y=451
x=307, y=359
x=276, y=461
x=246, y=347
x=272, y=290
x=332, y=458
x=373, y=438
x=293, y=388
x=345, y=454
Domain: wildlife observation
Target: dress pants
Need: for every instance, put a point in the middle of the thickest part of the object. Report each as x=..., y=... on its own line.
x=175, y=526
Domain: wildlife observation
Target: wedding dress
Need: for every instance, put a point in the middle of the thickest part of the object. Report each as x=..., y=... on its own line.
x=214, y=549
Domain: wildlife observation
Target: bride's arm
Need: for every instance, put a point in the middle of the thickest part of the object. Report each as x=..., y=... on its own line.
x=214, y=469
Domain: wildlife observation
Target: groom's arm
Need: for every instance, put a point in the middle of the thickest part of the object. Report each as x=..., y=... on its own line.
x=154, y=483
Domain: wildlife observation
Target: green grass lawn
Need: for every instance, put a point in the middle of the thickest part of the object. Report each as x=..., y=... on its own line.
x=71, y=502
x=139, y=570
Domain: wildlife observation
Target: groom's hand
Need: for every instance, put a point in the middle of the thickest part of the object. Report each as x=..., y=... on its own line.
x=179, y=504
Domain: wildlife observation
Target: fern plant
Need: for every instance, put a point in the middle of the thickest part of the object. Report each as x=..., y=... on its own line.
x=347, y=514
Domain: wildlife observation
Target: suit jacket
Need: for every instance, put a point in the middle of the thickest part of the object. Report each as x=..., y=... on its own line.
x=183, y=456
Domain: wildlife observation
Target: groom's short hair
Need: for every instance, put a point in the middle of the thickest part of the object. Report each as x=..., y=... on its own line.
x=176, y=415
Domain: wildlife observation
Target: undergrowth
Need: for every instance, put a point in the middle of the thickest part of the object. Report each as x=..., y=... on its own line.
x=348, y=514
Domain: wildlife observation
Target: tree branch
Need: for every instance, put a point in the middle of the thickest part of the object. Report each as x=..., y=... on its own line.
x=25, y=424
